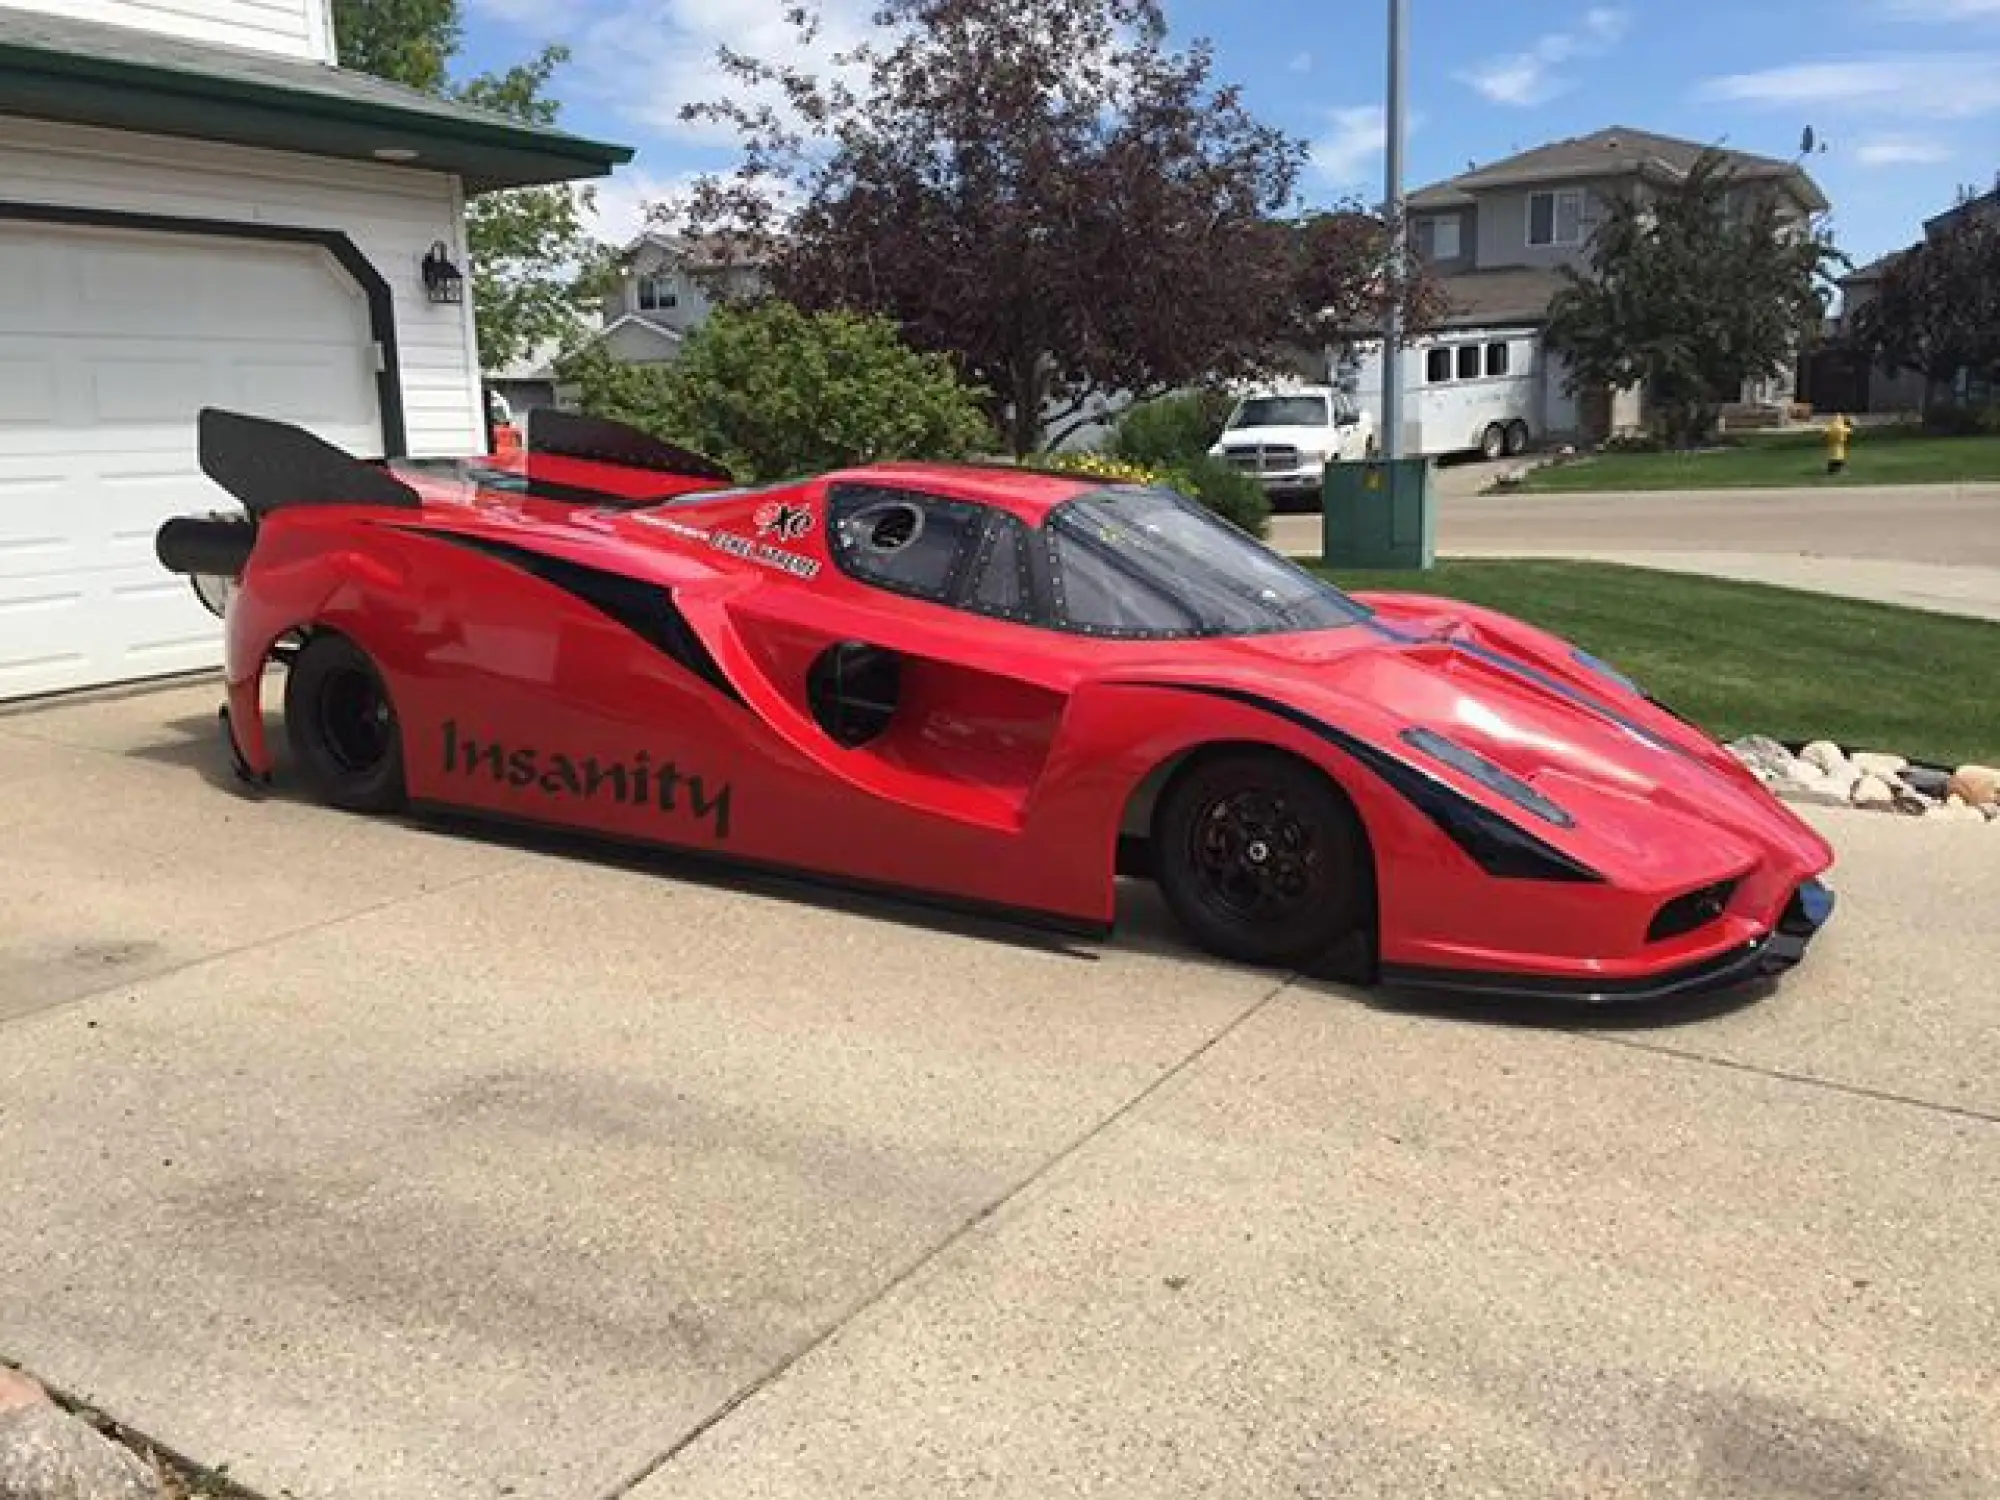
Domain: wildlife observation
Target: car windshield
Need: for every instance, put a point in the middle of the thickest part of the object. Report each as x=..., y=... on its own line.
x=1150, y=563
x=1279, y=411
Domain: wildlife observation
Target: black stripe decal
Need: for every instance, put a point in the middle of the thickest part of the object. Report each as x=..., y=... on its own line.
x=645, y=609
x=1500, y=848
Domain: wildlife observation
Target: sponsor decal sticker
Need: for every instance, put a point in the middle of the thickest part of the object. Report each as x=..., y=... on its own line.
x=785, y=522
x=637, y=780
x=795, y=563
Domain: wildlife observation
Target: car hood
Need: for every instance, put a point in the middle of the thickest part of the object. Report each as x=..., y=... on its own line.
x=1525, y=700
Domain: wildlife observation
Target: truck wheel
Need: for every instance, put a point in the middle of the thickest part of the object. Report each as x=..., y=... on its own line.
x=1492, y=442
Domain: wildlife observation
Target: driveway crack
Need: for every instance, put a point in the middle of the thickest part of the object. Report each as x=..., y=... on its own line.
x=925, y=1258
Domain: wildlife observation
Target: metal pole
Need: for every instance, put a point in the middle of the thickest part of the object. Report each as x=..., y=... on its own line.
x=1392, y=332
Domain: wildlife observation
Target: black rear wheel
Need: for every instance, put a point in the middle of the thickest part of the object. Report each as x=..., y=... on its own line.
x=342, y=726
x=1260, y=858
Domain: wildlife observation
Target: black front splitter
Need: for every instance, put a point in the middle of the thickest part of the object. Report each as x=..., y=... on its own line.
x=1764, y=957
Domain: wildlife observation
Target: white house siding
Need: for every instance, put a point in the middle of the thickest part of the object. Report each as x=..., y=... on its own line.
x=289, y=28
x=392, y=215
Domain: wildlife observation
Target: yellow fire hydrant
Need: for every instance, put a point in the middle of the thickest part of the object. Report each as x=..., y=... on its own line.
x=1838, y=431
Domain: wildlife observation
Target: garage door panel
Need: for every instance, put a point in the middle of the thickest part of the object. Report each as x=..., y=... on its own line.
x=104, y=367
x=27, y=391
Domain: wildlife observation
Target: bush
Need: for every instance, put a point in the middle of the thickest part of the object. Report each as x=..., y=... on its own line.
x=1228, y=493
x=1171, y=430
x=1956, y=419
x=774, y=392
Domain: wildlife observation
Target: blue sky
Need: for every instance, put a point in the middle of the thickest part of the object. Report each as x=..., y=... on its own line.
x=1905, y=94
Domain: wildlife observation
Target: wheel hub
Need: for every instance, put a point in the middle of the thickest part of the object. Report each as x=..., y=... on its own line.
x=1255, y=856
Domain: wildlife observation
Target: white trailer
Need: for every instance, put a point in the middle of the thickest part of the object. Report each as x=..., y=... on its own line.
x=1471, y=390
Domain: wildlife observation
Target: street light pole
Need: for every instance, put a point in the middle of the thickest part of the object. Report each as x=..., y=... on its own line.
x=1392, y=333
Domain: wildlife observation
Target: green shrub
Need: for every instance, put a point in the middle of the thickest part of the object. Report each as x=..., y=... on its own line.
x=1958, y=419
x=1172, y=430
x=1230, y=494
x=774, y=392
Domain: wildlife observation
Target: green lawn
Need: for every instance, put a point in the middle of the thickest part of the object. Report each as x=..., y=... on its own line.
x=1741, y=658
x=1882, y=456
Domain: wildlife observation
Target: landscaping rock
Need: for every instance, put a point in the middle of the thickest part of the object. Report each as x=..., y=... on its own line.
x=1873, y=791
x=1824, y=754
x=1930, y=783
x=1979, y=785
x=1817, y=794
x=1771, y=761
x=46, y=1454
x=1872, y=763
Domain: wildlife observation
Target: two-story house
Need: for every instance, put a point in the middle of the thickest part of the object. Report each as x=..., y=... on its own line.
x=1840, y=376
x=1497, y=234
x=665, y=287
x=199, y=207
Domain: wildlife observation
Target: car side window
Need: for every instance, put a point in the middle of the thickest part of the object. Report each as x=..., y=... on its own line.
x=1002, y=577
x=903, y=540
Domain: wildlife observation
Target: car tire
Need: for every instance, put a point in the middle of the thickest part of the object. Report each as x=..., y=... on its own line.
x=1492, y=442
x=1261, y=859
x=1518, y=438
x=342, y=727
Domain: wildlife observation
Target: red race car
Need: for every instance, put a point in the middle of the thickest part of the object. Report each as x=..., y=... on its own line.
x=990, y=686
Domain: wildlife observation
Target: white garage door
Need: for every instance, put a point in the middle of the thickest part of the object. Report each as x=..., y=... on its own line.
x=110, y=342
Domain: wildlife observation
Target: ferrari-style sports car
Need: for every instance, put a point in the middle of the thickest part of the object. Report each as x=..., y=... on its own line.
x=991, y=686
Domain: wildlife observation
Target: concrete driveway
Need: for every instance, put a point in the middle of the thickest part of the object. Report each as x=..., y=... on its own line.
x=380, y=1160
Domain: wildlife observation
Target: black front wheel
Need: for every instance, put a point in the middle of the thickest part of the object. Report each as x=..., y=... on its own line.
x=342, y=727
x=1260, y=858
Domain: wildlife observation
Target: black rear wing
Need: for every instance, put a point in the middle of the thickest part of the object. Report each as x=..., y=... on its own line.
x=561, y=434
x=269, y=465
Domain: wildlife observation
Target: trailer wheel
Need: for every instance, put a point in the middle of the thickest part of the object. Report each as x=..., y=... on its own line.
x=1492, y=442
x=1518, y=438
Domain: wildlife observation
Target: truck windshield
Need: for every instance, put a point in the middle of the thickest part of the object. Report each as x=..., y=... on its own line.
x=1280, y=411
x=1150, y=563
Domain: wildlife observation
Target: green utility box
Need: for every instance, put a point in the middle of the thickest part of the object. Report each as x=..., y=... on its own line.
x=1378, y=513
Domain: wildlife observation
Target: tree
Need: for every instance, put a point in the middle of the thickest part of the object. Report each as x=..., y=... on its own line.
x=405, y=41
x=1691, y=297
x=772, y=392
x=535, y=267
x=1038, y=187
x=1937, y=311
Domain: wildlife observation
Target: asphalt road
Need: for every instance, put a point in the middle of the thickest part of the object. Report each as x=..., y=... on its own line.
x=378, y=1160
x=1931, y=547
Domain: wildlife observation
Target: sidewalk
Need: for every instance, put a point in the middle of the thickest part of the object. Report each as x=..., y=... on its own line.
x=1933, y=586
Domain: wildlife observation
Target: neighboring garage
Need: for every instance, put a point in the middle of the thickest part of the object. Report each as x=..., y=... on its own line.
x=197, y=209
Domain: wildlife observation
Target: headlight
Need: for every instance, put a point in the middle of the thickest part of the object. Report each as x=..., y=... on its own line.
x=1493, y=778
x=213, y=590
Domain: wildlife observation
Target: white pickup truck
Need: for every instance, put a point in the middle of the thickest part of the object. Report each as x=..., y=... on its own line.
x=1285, y=438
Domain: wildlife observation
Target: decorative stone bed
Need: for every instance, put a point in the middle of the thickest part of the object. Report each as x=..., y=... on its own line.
x=1825, y=775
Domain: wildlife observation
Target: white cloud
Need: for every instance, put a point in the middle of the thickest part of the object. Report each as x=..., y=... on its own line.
x=1901, y=151
x=1355, y=138
x=651, y=57
x=1302, y=63
x=622, y=200
x=1525, y=79
x=1943, y=85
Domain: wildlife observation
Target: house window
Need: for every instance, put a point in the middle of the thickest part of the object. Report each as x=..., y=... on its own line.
x=656, y=293
x=1496, y=359
x=1468, y=361
x=1438, y=239
x=1556, y=218
x=1437, y=366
